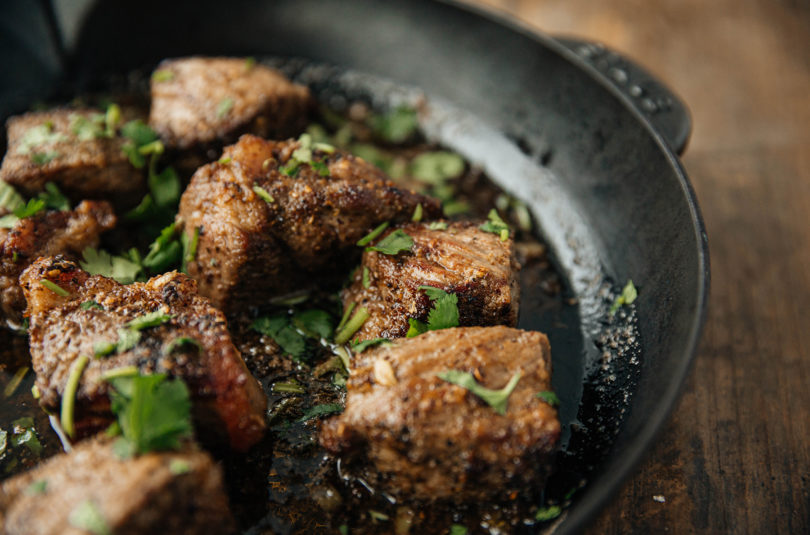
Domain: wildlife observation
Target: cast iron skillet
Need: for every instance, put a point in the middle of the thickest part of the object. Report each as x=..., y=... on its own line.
x=584, y=137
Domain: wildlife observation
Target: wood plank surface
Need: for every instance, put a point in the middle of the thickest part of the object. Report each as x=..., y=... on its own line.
x=735, y=455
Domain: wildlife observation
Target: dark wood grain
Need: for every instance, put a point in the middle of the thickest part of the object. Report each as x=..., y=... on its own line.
x=735, y=455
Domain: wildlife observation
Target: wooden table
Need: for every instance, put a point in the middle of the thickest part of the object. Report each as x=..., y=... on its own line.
x=735, y=455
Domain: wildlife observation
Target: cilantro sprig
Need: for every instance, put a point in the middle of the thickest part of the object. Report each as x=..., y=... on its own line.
x=304, y=155
x=496, y=225
x=152, y=413
x=627, y=297
x=394, y=243
x=291, y=332
x=443, y=314
x=497, y=399
x=100, y=262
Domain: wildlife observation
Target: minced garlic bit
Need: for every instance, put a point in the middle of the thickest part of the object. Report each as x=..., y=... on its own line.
x=384, y=373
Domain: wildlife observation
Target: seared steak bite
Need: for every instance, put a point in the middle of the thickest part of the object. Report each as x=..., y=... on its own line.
x=46, y=234
x=92, y=490
x=477, y=266
x=199, y=102
x=414, y=435
x=45, y=147
x=187, y=338
x=275, y=216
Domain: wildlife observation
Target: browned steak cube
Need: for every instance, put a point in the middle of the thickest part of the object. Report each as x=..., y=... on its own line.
x=46, y=234
x=92, y=319
x=92, y=490
x=268, y=226
x=477, y=266
x=203, y=101
x=414, y=435
x=44, y=147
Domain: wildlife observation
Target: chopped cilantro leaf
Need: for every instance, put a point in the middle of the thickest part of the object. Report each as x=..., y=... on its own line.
x=87, y=516
x=162, y=75
x=24, y=433
x=436, y=167
x=458, y=529
x=127, y=339
x=396, y=126
x=179, y=467
x=314, y=323
x=151, y=319
x=438, y=225
x=153, y=412
x=321, y=410
x=224, y=107
x=359, y=347
x=282, y=332
x=86, y=128
x=189, y=248
x=417, y=213
x=55, y=288
x=320, y=167
x=165, y=251
x=32, y=208
x=394, y=243
x=100, y=262
x=138, y=134
x=39, y=486
x=53, y=198
x=9, y=198
x=416, y=328
x=37, y=136
x=628, y=295
x=180, y=342
x=368, y=238
x=41, y=158
x=291, y=169
x=164, y=186
x=549, y=397
x=497, y=399
x=496, y=225
x=351, y=326
x=263, y=194
x=544, y=514
x=69, y=394
x=102, y=349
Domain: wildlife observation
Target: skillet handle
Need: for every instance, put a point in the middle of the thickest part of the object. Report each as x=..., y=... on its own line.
x=665, y=111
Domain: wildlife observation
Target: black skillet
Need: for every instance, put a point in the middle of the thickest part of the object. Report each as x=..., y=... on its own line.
x=585, y=138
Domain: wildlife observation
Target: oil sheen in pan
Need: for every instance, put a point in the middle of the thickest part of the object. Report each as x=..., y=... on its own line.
x=596, y=356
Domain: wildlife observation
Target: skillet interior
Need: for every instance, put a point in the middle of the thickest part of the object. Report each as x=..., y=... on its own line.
x=612, y=201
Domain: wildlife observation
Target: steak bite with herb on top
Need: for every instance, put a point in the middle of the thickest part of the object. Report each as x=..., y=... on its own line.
x=82, y=151
x=84, y=328
x=93, y=490
x=398, y=289
x=43, y=232
x=277, y=216
x=462, y=414
x=203, y=102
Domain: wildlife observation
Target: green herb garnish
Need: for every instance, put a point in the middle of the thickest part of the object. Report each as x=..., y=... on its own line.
x=53, y=198
x=417, y=213
x=100, y=262
x=162, y=75
x=352, y=326
x=263, y=194
x=55, y=288
x=69, y=394
x=102, y=349
x=189, y=246
x=314, y=323
x=151, y=319
x=394, y=243
x=436, y=167
x=321, y=410
x=397, y=126
x=181, y=342
x=438, y=225
x=497, y=399
x=458, y=529
x=41, y=158
x=36, y=488
x=31, y=208
x=377, y=516
x=628, y=295
x=14, y=382
x=9, y=198
x=23, y=433
x=179, y=467
x=280, y=329
x=224, y=107
x=291, y=387
x=138, y=135
x=165, y=251
x=549, y=397
x=366, y=279
x=544, y=514
x=368, y=238
x=443, y=314
x=37, y=136
x=359, y=347
x=153, y=412
x=496, y=225
x=346, y=313
x=87, y=516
